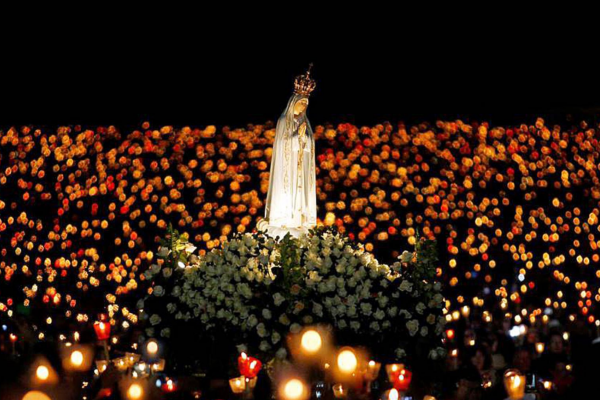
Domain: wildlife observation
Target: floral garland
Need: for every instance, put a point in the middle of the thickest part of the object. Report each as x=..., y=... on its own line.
x=258, y=290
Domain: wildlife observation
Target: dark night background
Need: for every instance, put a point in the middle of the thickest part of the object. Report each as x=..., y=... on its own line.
x=502, y=67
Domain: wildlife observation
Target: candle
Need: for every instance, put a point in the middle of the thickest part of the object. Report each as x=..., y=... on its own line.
x=251, y=383
x=347, y=361
x=76, y=359
x=403, y=381
x=339, y=391
x=42, y=373
x=249, y=366
x=120, y=363
x=539, y=347
x=13, y=341
x=393, y=370
x=36, y=395
x=454, y=359
x=373, y=369
x=169, y=386
x=465, y=311
x=311, y=341
x=293, y=389
x=102, y=330
x=393, y=394
x=152, y=348
x=238, y=385
x=135, y=391
x=101, y=365
x=514, y=382
x=131, y=358
x=159, y=365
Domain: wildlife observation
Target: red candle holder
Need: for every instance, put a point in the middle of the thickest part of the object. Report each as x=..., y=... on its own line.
x=402, y=380
x=249, y=366
x=102, y=330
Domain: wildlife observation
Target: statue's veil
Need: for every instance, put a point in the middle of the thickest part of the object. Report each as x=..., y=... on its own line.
x=287, y=117
x=280, y=166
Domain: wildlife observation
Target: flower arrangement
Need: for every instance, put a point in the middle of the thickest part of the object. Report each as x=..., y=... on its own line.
x=258, y=290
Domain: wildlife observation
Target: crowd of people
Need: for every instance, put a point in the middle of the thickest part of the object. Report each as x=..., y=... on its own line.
x=515, y=212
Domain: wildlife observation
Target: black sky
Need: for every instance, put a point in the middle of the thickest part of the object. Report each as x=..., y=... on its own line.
x=193, y=74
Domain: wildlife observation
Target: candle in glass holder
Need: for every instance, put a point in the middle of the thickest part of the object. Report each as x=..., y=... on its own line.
x=373, y=369
x=393, y=394
x=311, y=341
x=120, y=363
x=42, y=373
x=514, y=382
x=36, y=395
x=76, y=359
x=102, y=330
x=169, y=386
x=393, y=370
x=238, y=385
x=403, y=380
x=293, y=389
x=539, y=347
x=465, y=311
x=251, y=383
x=135, y=391
x=152, y=348
x=101, y=365
x=249, y=366
x=159, y=365
x=131, y=359
x=339, y=391
x=347, y=361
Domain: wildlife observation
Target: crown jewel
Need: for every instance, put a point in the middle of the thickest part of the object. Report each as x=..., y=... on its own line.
x=304, y=84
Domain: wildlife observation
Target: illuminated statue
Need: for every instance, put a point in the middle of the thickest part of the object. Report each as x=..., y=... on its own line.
x=291, y=201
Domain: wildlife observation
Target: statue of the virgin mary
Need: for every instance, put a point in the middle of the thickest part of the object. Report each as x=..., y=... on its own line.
x=292, y=197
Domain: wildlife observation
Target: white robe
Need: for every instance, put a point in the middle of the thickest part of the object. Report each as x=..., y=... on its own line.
x=291, y=200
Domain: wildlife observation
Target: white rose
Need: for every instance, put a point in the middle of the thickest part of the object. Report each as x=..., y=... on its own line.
x=281, y=354
x=252, y=321
x=275, y=337
x=400, y=353
x=406, y=286
x=278, y=299
x=261, y=329
x=412, y=326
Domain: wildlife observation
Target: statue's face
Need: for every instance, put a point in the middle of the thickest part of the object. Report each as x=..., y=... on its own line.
x=300, y=106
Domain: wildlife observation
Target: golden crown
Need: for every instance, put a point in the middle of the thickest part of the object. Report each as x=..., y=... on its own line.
x=304, y=84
